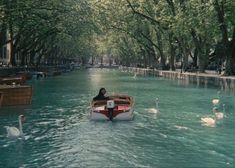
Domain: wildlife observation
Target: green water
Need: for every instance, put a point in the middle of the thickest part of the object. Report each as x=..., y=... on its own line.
x=58, y=132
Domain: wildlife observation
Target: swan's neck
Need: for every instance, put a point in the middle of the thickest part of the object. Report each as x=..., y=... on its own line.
x=20, y=127
x=218, y=94
x=223, y=108
x=156, y=104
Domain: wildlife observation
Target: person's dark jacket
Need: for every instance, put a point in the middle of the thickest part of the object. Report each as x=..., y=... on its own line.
x=101, y=96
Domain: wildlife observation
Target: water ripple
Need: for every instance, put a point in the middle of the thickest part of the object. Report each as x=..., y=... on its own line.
x=59, y=133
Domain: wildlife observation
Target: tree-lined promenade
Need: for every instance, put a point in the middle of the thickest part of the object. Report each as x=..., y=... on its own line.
x=163, y=34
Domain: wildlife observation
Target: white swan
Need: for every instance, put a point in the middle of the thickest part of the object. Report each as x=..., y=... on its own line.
x=218, y=114
x=13, y=131
x=208, y=121
x=134, y=77
x=216, y=101
x=154, y=110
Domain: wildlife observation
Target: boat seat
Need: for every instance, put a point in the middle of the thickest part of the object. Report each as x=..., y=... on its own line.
x=99, y=102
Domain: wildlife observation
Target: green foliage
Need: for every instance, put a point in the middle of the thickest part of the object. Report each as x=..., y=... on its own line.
x=163, y=28
x=132, y=31
x=43, y=27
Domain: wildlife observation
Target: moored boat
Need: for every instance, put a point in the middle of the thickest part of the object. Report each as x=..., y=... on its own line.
x=15, y=95
x=118, y=107
x=12, y=80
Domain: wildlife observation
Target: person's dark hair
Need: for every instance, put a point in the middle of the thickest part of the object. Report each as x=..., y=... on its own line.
x=100, y=92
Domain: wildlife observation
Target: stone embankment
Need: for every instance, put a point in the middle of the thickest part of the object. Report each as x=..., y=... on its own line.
x=11, y=71
x=226, y=83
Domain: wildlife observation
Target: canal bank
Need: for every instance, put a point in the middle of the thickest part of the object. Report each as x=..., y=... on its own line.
x=226, y=83
x=10, y=71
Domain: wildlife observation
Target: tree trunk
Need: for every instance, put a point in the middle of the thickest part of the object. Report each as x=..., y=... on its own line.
x=223, y=28
x=232, y=49
x=12, y=52
x=3, y=39
x=202, y=57
x=160, y=49
x=22, y=59
x=172, y=52
x=195, y=57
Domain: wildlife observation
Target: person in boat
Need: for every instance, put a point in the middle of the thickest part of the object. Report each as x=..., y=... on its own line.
x=101, y=95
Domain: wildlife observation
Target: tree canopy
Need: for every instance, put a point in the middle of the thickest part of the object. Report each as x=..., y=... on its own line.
x=148, y=33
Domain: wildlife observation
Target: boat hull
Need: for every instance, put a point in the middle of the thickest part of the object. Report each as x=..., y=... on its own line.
x=15, y=95
x=123, y=110
x=121, y=116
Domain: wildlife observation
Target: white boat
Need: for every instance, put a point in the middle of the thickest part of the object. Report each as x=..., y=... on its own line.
x=118, y=107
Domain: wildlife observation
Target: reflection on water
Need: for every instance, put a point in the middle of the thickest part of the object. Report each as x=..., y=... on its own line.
x=60, y=134
x=204, y=80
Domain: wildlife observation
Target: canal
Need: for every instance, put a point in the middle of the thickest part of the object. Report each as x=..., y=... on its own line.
x=58, y=132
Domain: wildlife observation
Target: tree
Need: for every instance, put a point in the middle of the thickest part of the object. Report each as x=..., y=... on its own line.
x=41, y=28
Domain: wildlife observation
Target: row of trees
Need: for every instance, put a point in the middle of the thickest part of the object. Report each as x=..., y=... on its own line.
x=149, y=33
x=159, y=33
x=51, y=31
